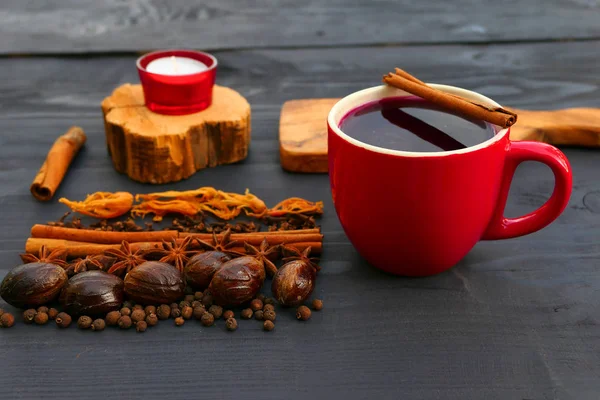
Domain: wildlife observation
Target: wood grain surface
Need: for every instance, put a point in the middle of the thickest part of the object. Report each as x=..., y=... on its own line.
x=516, y=319
x=83, y=26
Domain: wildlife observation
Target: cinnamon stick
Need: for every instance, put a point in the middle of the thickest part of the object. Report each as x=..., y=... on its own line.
x=256, y=240
x=100, y=237
x=495, y=115
x=57, y=163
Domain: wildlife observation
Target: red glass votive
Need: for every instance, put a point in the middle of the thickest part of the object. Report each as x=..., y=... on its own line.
x=178, y=94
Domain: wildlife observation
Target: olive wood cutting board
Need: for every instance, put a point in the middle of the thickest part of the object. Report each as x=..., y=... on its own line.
x=303, y=131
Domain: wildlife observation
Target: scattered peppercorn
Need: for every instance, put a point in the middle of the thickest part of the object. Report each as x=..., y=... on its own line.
x=184, y=304
x=268, y=325
x=179, y=321
x=216, y=311
x=186, y=312
x=207, y=300
x=207, y=319
x=137, y=307
x=150, y=310
x=152, y=320
x=125, y=322
x=127, y=304
x=196, y=303
x=29, y=315
x=269, y=300
x=269, y=307
x=269, y=315
x=141, y=326
x=138, y=315
x=303, y=313
x=126, y=311
x=63, y=320
x=43, y=309
x=163, y=312
x=231, y=324
x=41, y=318
x=317, y=304
x=112, y=318
x=189, y=298
x=175, y=312
x=256, y=304
x=52, y=313
x=84, y=322
x=198, y=296
x=7, y=320
x=258, y=315
x=98, y=325
x=227, y=314
x=247, y=313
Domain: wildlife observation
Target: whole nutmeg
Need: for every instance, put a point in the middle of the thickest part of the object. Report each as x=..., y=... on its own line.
x=141, y=326
x=84, y=322
x=151, y=320
x=237, y=281
x=7, y=320
x=256, y=305
x=125, y=322
x=52, y=313
x=32, y=284
x=303, y=313
x=200, y=268
x=112, y=318
x=92, y=293
x=207, y=319
x=41, y=318
x=268, y=325
x=63, y=320
x=138, y=315
x=231, y=324
x=247, y=313
x=154, y=282
x=163, y=312
x=186, y=312
x=29, y=315
x=294, y=282
x=98, y=325
x=216, y=311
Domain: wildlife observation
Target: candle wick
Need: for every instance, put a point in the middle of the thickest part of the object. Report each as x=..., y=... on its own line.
x=175, y=65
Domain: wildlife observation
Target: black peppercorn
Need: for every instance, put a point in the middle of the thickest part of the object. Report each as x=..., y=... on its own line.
x=317, y=304
x=227, y=314
x=141, y=326
x=207, y=300
x=138, y=315
x=199, y=312
x=256, y=305
x=186, y=312
x=41, y=318
x=269, y=315
x=163, y=312
x=303, y=313
x=43, y=309
x=127, y=304
x=216, y=311
x=52, y=313
x=125, y=322
x=179, y=321
x=150, y=310
x=231, y=324
x=269, y=300
x=84, y=322
x=268, y=326
x=7, y=320
x=98, y=325
x=198, y=295
x=126, y=311
x=29, y=315
x=189, y=298
x=112, y=318
x=63, y=320
x=269, y=307
x=152, y=320
x=207, y=319
x=258, y=315
x=247, y=313
x=184, y=304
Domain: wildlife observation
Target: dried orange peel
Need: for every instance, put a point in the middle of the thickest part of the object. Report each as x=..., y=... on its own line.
x=102, y=205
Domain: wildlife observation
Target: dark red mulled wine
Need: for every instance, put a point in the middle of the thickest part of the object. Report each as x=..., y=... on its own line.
x=413, y=124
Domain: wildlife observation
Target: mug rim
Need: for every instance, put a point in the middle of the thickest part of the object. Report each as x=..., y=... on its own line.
x=356, y=99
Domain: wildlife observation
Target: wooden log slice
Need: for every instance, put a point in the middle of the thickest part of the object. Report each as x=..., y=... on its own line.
x=156, y=148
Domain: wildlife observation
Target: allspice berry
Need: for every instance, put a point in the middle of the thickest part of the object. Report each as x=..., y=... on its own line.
x=7, y=320
x=269, y=300
x=41, y=318
x=29, y=315
x=179, y=321
x=196, y=303
x=174, y=305
x=141, y=326
x=269, y=307
x=126, y=311
x=138, y=315
x=125, y=322
x=137, y=307
x=207, y=319
x=189, y=298
x=207, y=300
x=175, y=312
x=261, y=297
x=269, y=315
x=150, y=310
x=246, y=313
x=84, y=322
x=258, y=315
x=186, y=312
x=112, y=318
x=151, y=320
x=63, y=320
x=98, y=325
x=256, y=305
x=227, y=314
x=303, y=313
x=198, y=296
x=317, y=304
x=52, y=313
x=231, y=324
x=268, y=326
x=163, y=312
x=199, y=312
x=43, y=309
x=216, y=311
x=184, y=304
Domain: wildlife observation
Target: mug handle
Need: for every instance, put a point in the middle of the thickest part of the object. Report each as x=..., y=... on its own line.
x=505, y=228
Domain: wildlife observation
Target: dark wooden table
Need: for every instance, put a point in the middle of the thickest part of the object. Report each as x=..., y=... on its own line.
x=516, y=319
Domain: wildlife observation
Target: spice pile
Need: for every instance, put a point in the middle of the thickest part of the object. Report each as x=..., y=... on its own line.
x=132, y=276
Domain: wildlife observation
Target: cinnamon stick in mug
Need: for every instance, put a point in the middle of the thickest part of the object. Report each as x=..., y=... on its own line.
x=495, y=115
x=60, y=156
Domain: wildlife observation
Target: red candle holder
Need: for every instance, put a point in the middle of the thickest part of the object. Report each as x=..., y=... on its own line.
x=178, y=94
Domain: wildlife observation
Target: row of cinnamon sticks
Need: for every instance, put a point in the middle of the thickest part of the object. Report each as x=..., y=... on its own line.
x=84, y=242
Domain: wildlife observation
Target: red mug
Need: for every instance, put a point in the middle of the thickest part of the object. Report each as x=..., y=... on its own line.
x=418, y=214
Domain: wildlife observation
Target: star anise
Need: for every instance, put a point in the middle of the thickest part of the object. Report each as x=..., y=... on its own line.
x=224, y=245
x=88, y=263
x=264, y=254
x=57, y=256
x=126, y=259
x=176, y=254
x=291, y=254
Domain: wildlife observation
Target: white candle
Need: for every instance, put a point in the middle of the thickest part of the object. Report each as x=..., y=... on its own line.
x=175, y=66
